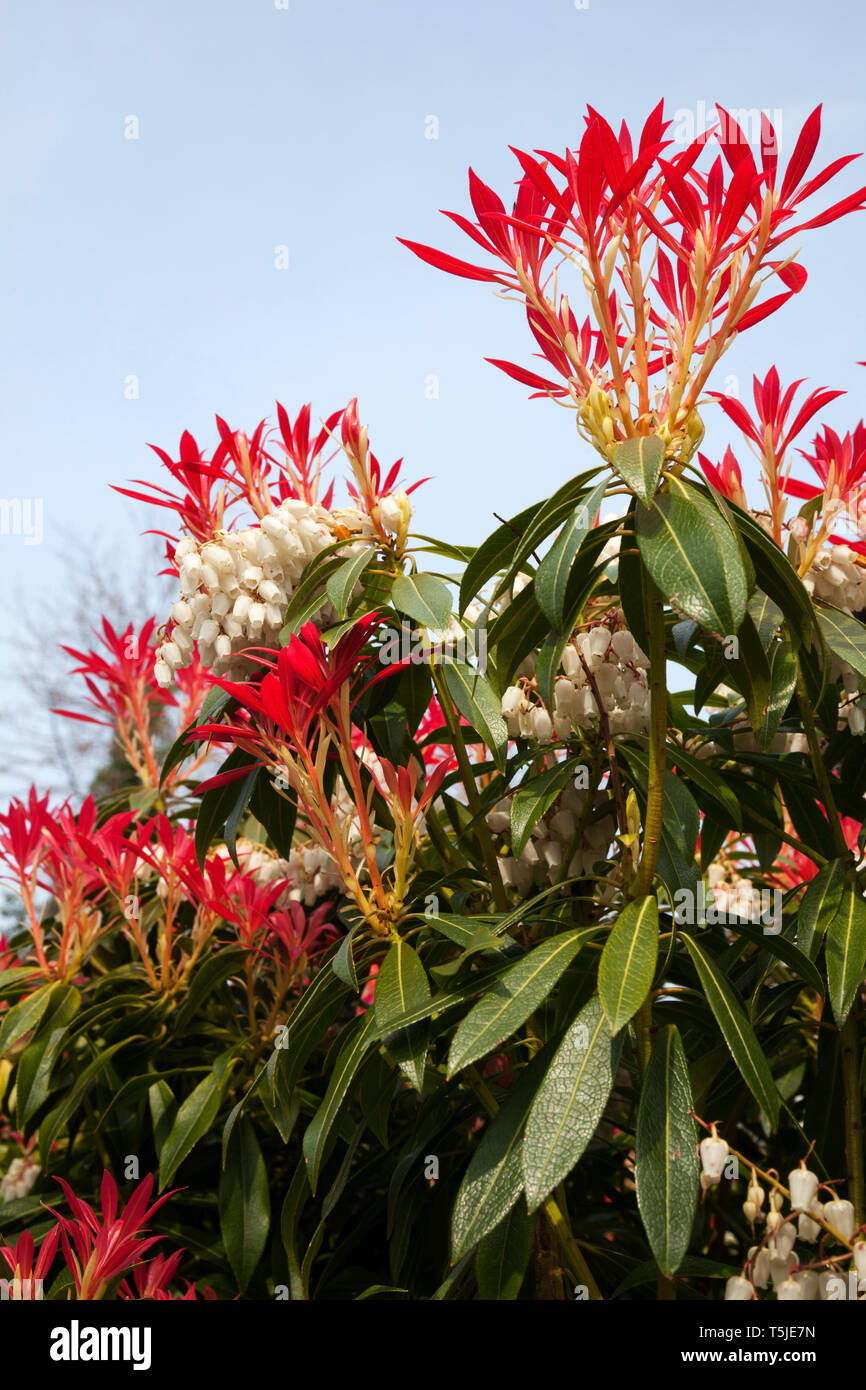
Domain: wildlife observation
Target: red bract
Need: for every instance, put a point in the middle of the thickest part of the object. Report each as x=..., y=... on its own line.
x=299, y=933
x=673, y=259
x=771, y=433
x=122, y=685
x=98, y=1248
x=839, y=463
x=727, y=478
x=28, y=1268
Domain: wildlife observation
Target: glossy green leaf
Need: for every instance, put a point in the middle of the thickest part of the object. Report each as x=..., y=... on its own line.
x=475, y=700
x=341, y=584
x=667, y=1168
x=359, y=1037
x=844, y=635
x=494, y=1179
x=424, y=598
x=402, y=985
x=628, y=961
x=244, y=1203
x=534, y=798
x=736, y=1029
x=195, y=1118
x=502, y=1256
x=694, y=558
x=639, y=463
x=570, y=1102
x=551, y=581
x=819, y=905
x=845, y=952
x=512, y=999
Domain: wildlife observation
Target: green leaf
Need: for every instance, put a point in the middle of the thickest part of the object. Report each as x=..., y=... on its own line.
x=514, y=997
x=500, y=1264
x=845, y=952
x=736, y=1030
x=424, y=598
x=534, y=798
x=783, y=682
x=666, y=1163
x=217, y=968
x=820, y=903
x=494, y=1180
x=751, y=672
x=359, y=1036
x=56, y=1119
x=844, y=635
x=22, y=1018
x=341, y=584
x=477, y=703
x=570, y=1102
x=244, y=1203
x=37, y=1061
x=402, y=985
x=213, y=705
x=628, y=961
x=277, y=812
x=195, y=1117
x=549, y=516
x=551, y=581
x=639, y=463
x=694, y=558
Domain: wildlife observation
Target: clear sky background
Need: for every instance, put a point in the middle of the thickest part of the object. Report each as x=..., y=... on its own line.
x=305, y=127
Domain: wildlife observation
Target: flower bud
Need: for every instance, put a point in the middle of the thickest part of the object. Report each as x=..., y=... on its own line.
x=789, y=1291
x=760, y=1266
x=860, y=1258
x=713, y=1151
x=738, y=1289
x=803, y=1185
x=807, y=1229
x=840, y=1215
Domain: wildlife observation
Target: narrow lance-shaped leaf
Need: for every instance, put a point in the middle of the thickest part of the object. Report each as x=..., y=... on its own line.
x=503, y=1255
x=570, y=1102
x=628, y=961
x=402, y=985
x=845, y=950
x=551, y=581
x=359, y=1037
x=736, y=1030
x=666, y=1161
x=477, y=703
x=244, y=1203
x=509, y=1002
x=820, y=903
x=341, y=584
x=494, y=1179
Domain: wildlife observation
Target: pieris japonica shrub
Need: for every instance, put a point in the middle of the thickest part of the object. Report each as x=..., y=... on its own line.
x=493, y=927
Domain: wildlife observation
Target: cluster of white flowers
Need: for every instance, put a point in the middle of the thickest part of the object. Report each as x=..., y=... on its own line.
x=235, y=588
x=775, y=1261
x=18, y=1180
x=552, y=844
x=734, y=896
x=836, y=577
x=619, y=670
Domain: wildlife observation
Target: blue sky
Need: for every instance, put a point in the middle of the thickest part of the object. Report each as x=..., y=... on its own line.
x=304, y=127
